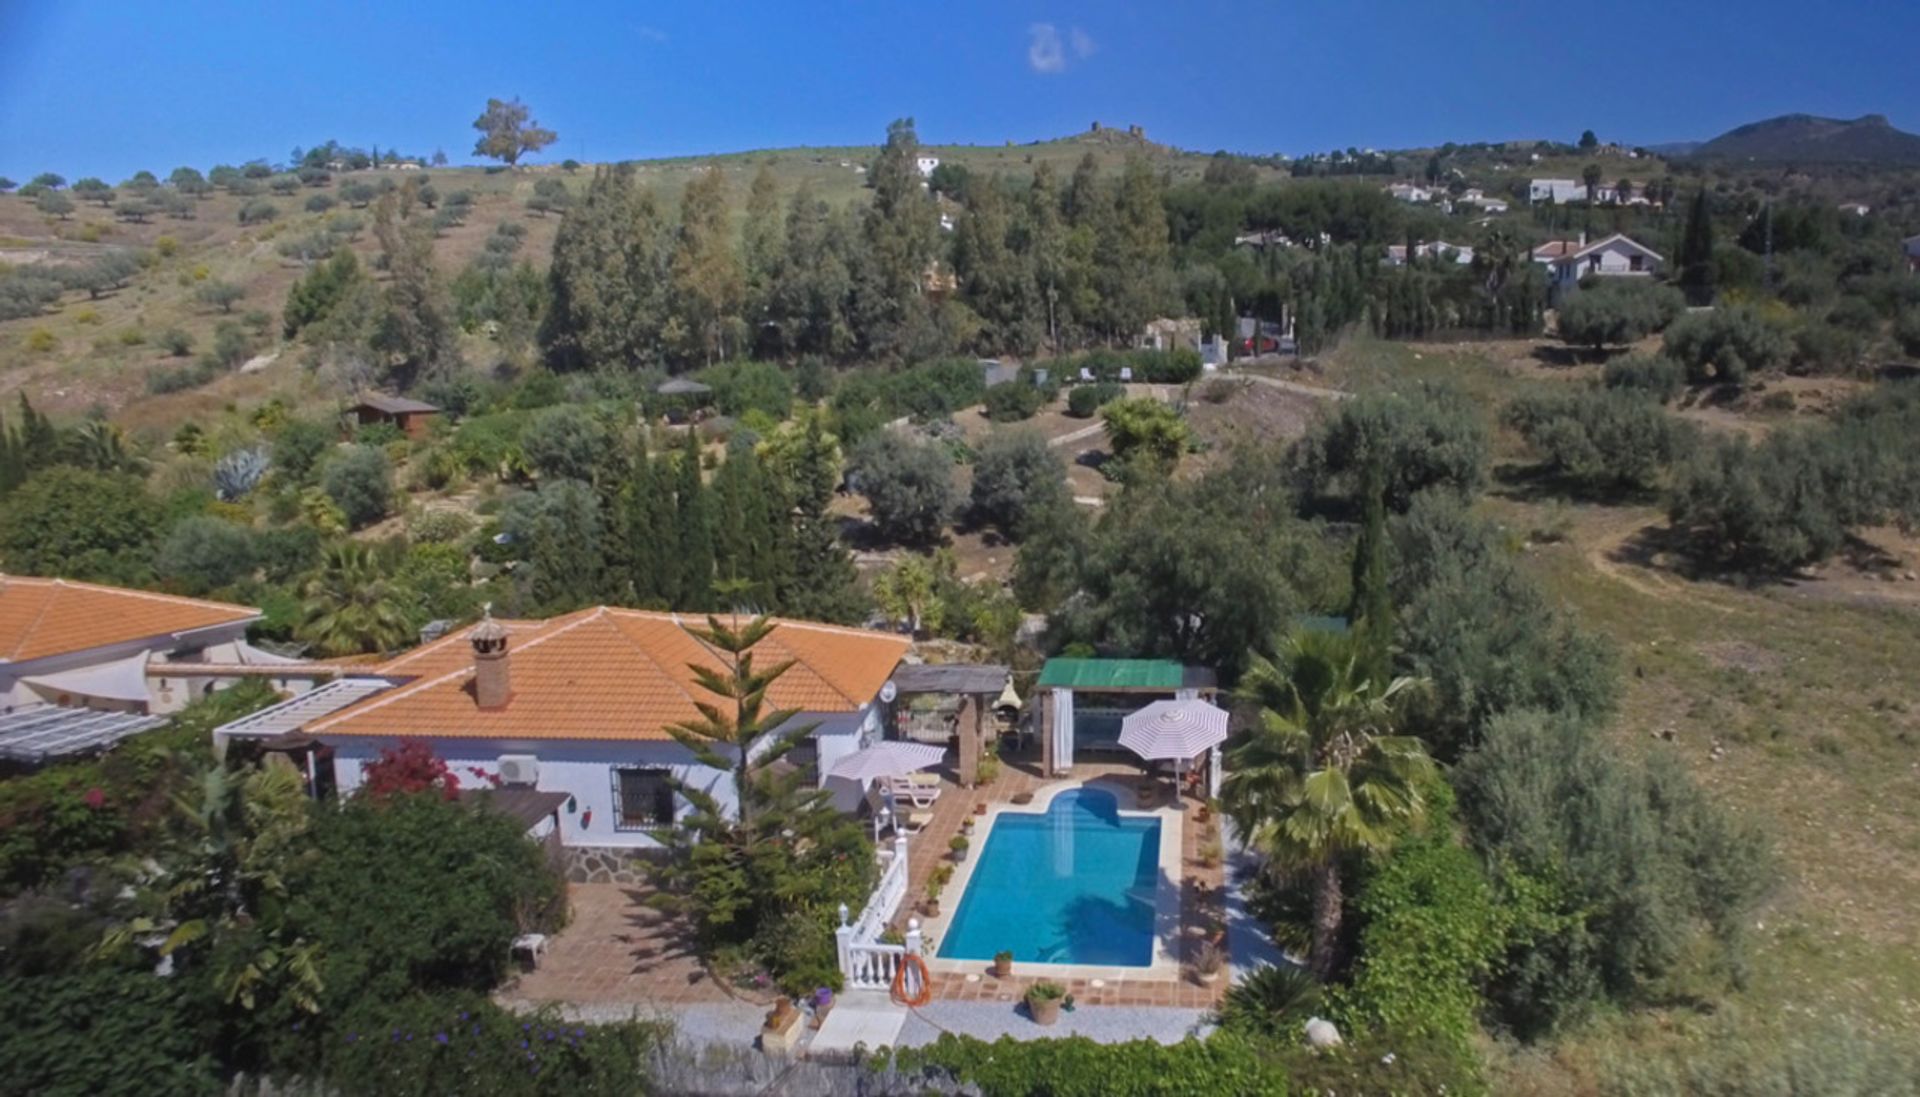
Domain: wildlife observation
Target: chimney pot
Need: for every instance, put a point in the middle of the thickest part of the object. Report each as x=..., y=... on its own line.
x=492, y=683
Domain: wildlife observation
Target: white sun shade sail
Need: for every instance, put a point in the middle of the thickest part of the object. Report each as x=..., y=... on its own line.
x=1178, y=730
x=121, y=680
x=887, y=759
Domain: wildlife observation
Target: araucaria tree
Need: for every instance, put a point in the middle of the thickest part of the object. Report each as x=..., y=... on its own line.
x=508, y=132
x=1322, y=774
x=763, y=875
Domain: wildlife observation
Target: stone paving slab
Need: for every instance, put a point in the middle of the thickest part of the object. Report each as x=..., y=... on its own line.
x=1106, y=1024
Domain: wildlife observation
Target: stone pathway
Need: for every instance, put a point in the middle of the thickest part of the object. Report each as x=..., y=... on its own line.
x=1106, y=1024
x=618, y=951
x=862, y=1018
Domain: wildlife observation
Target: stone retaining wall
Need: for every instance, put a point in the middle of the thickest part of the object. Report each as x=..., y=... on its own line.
x=608, y=864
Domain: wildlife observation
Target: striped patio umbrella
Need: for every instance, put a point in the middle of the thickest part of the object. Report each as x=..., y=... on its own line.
x=1179, y=730
x=890, y=758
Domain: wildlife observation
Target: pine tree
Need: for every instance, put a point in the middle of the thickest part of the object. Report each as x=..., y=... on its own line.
x=609, y=277
x=1696, y=251
x=694, y=524
x=902, y=232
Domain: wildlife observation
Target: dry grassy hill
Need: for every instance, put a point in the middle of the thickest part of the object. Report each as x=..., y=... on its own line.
x=101, y=350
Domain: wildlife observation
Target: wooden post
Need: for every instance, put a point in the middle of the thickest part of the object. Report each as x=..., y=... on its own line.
x=969, y=730
x=1045, y=709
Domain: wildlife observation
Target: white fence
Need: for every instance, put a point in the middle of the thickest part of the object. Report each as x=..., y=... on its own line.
x=866, y=962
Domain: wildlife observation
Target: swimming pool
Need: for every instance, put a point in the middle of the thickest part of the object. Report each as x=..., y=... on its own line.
x=1075, y=884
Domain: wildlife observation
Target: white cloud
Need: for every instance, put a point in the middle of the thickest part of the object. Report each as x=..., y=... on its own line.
x=1044, y=51
x=1082, y=43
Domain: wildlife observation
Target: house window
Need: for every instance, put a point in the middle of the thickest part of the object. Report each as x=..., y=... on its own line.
x=1634, y=264
x=643, y=799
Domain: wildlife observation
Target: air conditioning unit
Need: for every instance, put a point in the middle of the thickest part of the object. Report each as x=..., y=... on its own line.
x=519, y=770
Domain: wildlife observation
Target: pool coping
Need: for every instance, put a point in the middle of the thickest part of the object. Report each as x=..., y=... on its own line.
x=1166, y=897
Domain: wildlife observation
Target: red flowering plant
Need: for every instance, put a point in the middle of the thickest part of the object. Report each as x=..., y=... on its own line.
x=410, y=767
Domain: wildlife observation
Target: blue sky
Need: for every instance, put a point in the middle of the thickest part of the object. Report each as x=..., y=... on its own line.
x=108, y=87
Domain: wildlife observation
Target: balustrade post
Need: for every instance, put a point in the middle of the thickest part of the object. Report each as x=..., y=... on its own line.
x=842, y=940
x=914, y=943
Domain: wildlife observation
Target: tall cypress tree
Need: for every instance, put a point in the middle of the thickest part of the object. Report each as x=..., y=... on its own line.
x=738, y=512
x=1696, y=251
x=693, y=517
x=650, y=529
x=1371, y=609
x=13, y=469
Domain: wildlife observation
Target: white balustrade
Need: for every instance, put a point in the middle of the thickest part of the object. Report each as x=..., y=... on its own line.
x=865, y=961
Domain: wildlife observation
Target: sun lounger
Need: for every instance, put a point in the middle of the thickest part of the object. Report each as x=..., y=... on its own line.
x=920, y=796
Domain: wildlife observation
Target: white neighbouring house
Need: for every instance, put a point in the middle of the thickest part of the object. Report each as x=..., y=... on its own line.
x=1558, y=191
x=83, y=666
x=1568, y=261
x=1410, y=192
x=926, y=164
x=1459, y=253
x=579, y=705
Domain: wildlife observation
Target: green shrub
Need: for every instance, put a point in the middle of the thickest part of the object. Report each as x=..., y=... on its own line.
x=299, y=446
x=203, y=553
x=416, y=893
x=1656, y=375
x=1014, y=401
x=1145, y=430
x=908, y=483
x=80, y=524
x=1617, y=311
x=99, y=1029
x=566, y=442
x=1271, y=1002
x=427, y=1045
x=1638, y=864
x=1601, y=439
x=1016, y=475
x=1429, y=438
x=359, y=480
x=1084, y=400
x=1726, y=344
x=740, y=387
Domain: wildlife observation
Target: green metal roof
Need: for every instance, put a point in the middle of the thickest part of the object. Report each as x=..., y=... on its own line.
x=1098, y=674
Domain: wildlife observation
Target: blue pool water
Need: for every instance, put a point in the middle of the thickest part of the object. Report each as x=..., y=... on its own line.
x=1072, y=885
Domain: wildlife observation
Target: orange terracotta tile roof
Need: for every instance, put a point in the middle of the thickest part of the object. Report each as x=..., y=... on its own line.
x=610, y=674
x=42, y=617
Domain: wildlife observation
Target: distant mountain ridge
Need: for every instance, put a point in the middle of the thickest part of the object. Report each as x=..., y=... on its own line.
x=1804, y=138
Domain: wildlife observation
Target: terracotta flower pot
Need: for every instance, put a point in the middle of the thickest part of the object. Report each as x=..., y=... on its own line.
x=979, y=809
x=1046, y=1011
x=1002, y=968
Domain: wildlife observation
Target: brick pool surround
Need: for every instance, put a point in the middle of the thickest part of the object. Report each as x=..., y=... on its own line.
x=1166, y=897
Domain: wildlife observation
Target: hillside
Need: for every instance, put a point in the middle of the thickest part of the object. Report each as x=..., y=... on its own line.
x=1804, y=138
x=85, y=353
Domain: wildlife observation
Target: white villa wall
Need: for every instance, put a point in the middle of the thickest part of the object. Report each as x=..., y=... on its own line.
x=581, y=769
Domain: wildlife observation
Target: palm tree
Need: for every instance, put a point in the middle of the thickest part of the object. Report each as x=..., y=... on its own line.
x=351, y=607
x=1322, y=773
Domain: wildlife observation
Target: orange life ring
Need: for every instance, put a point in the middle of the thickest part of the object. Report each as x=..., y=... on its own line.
x=924, y=993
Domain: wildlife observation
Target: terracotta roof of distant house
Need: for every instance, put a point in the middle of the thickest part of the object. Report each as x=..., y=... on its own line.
x=42, y=617
x=1557, y=249
x=608, y=673
x=394, y=405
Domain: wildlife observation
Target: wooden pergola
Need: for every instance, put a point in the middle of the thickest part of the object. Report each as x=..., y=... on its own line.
x=978, y=685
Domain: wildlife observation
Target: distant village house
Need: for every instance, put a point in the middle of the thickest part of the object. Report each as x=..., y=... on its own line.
x=413, y=418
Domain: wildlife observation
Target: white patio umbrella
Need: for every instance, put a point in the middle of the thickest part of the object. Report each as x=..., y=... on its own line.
x=890, y=758
x=1177, y=730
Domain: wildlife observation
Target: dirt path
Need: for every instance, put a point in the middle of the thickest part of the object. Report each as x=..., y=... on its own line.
x=1288, y=386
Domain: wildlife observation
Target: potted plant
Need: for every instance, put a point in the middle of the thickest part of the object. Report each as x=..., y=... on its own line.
x=989, y=769
x=1002, y=964
x=1044, y=1000
x=958, y=845
x=822, y=1002
x=1210, y=850
x=966, y=826
x=1208, y=961
x=935, y=881
x=980, y=808
x=1207, y=807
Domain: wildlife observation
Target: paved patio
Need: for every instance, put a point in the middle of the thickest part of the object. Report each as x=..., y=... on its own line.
x=1202, y=902
x=618, y=951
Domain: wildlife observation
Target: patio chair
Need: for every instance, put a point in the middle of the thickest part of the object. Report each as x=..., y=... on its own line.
x=1126, y=375
x=1086, y=376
